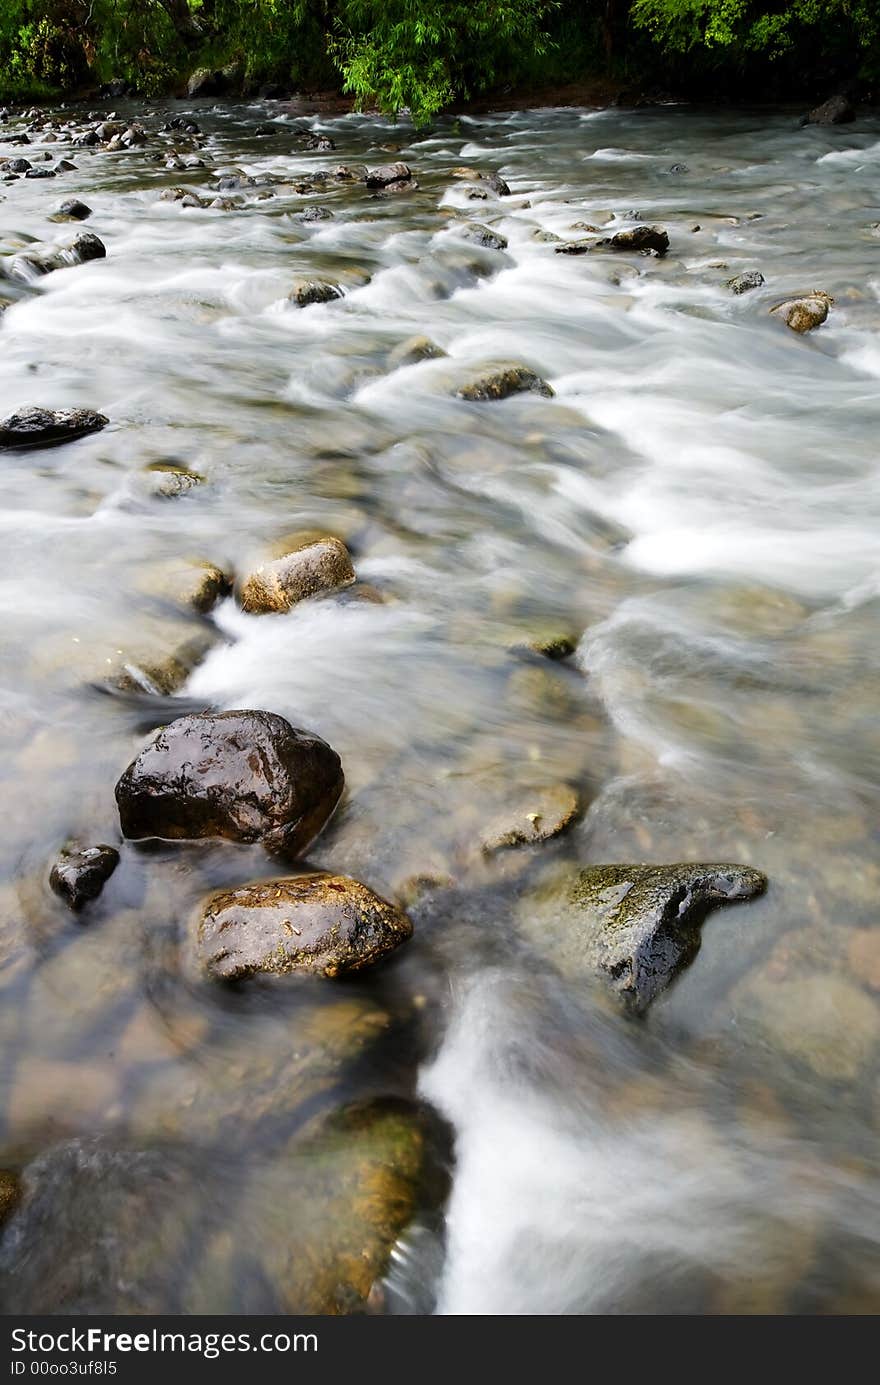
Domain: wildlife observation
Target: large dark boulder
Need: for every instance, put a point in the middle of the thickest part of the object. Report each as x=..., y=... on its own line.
x=247, y=776
x=837, y=110
x=48, y=427
x=644, y=239
x=387, y=174
x=320, y=924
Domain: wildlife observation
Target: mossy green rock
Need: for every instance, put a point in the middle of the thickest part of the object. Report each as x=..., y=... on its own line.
x=636, y=926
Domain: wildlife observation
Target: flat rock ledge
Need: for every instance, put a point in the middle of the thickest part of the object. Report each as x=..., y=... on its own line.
x=323, y=925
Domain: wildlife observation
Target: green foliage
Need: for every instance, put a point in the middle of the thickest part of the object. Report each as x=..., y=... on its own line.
x=749, y=25
x=423, y=55
x=420, y=55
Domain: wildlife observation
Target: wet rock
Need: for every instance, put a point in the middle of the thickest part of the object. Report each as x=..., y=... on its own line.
x=324, y=925
x=246, y=776
x=73, y=208
x=81, y=249
x=574, y=247
x=551, y=644
x=168, y=481
x=158, y=673
x=79, y=876
x=307, y=291
x=636, y=926
x=40, y=173
x=500, y=382
x=543, y=814
x=477, y=234
x=805, y=314
x=315, y=569
x=84, y=248
x=194, y=585
x=35, y=427
x=315, y=213
x=643, y=239
x=837, y=110
x=492, y=180
x=10, y=1193
x=822, y=1021
x=363, y=1174
x=412, y=350
x=744, y=283
x=17, y=165
x=387, y=174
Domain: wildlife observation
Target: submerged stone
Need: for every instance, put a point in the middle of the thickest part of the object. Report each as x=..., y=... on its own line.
x=413, y=350
x=79, y=876
x=542, y=814
x=247, y=776
x=34, y=427
x=320, y=924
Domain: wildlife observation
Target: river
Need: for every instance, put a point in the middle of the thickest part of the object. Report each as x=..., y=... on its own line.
x=696, y=506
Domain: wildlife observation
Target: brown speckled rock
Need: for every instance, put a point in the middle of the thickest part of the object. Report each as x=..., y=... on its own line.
x=246, y=776
x=804, y=314
x=640, y=238
x=79, y=876
x=10, y=1193
x=323, y=924
x=316, y=568
x=308, y=291
x=499, y=382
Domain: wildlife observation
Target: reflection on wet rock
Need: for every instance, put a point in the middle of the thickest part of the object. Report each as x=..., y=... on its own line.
x=326, y=925
x=247, y=776
x=79, y=876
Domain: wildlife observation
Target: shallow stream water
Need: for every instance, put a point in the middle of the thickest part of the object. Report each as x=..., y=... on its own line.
x=697, y=506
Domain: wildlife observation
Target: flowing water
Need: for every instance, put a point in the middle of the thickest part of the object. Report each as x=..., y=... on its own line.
x=697, y=505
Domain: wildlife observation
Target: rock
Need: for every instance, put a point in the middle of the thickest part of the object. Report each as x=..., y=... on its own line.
x=167, y=481
x=82, y=248
x=641, y=238
x=361, y=1177
x=477, y=234
x=195, y=585
x=205, y=82
x=10, y=1193
x=804, y=314
x=315, y=569
x=574, y=247
x=35, y=427
x=74, y=209
x=246, y=776
x=413, y=350
x=822, y=1021
x=387, y=174
x=743, y=283
x=40, y=173
x=306, y=291
x=636, y=926
x=543, y=814
x=314, y=213
x=502, y=381
x=552, y=644
x=837, y=110
x=325, y=925
x=150, y=671
x=492, y=180
x=79, y=876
